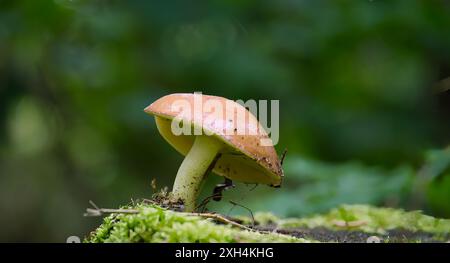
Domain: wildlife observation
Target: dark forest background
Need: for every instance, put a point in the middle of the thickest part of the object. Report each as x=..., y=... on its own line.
x=363, y=90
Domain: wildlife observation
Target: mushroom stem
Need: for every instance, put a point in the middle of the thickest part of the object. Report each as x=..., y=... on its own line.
x=193, y=170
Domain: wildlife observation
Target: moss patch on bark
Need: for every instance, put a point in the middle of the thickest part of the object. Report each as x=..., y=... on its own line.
x=347, y=223
x=155, y=224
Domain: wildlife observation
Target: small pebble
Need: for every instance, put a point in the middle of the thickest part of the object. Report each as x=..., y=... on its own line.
x=373, y=239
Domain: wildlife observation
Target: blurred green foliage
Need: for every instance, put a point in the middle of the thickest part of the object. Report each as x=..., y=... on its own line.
x=354, y=78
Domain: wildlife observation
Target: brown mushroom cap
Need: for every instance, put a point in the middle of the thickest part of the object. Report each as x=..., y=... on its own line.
x=243, y=158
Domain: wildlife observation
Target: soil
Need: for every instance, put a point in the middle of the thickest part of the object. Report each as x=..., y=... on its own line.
x=352, y=236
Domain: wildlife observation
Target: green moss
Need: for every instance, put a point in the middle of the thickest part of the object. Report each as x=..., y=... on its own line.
x=155, y=224
x=371, y=219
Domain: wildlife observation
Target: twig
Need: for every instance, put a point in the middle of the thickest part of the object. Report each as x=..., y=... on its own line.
x=223, y=220
x=96, y=211
x=102, y=211
x=93, y=204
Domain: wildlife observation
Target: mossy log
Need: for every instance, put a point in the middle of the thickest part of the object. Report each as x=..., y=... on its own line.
x=347, y=223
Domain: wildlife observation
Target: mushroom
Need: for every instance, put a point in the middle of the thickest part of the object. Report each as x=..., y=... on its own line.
x=227, y=146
